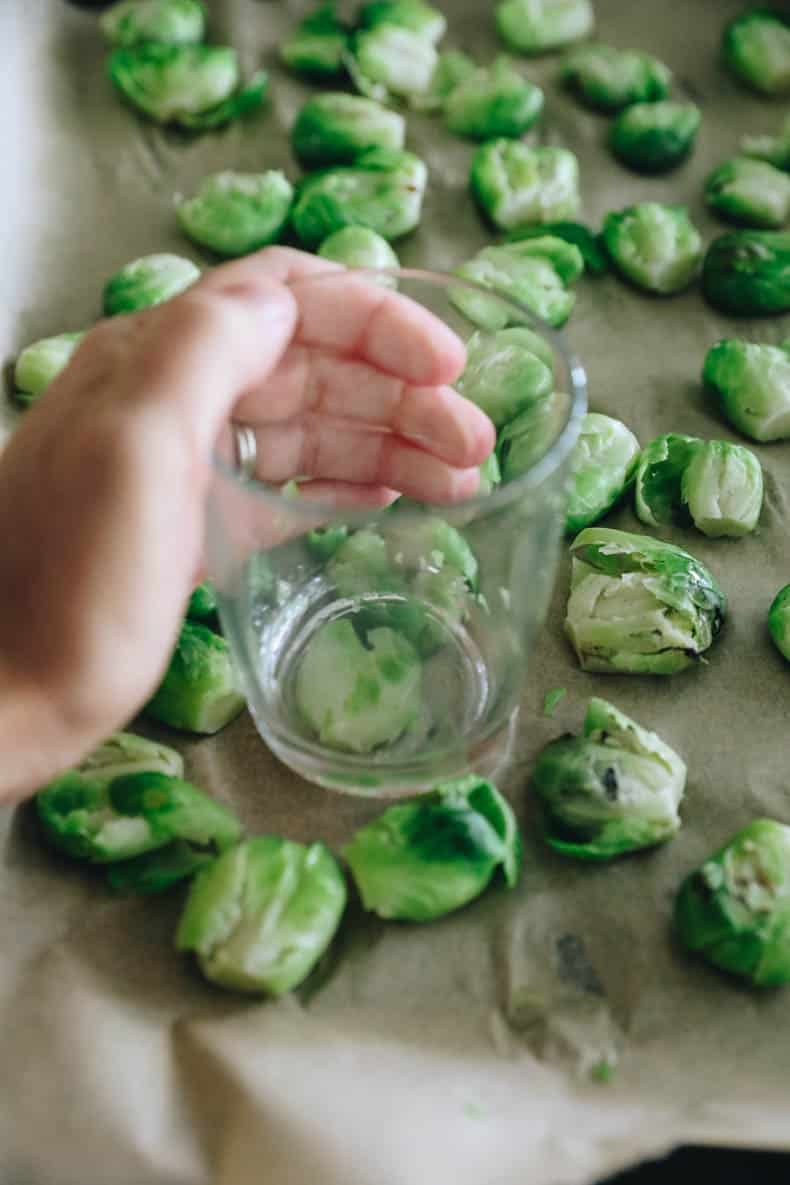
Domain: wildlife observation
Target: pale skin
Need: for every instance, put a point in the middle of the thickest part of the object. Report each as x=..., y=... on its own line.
x=103, y=486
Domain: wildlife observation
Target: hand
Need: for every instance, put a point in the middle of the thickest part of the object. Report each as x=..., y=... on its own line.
x=103, y=485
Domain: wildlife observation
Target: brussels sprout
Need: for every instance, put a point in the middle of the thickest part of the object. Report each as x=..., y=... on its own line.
x=198, y=692
x=261, y=915
x=596, y=261
x=638, y=605
x=427, y=22
x=655, y=137
x=156, y=872
x=235, y=213
x=609, y=79
x=203, y=604
x=318, y=44
x=604, y=463
x=194, y=86
x=493, y=101
x=515, y=185
x=333, y=129
x=503, y=375
x=615, y=789
x=41, y=362
x=751, y=192
x=323, y=542
x=537, y=26
x=779, y=621
x=390, y=61
x=748, y=272
x=422, y=859
x=170, y=22
x=723, y=489
x=359, y=246
x=535, y=273
x=529, y=436
x=124, y=753
x=752, y=383
x=490, y=475
x=451, y=68
x=774, y=149
x=147, y=281
x=756, y=49
x=659, y=479
x=735, y=909
x=383, y=190
x=655, y=247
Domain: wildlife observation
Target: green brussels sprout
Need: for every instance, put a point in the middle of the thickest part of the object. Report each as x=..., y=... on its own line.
x=515, y=185
x=723, y=489
x=503, y=375
x=194, y=86
x=609, y=79
x=235, y=213
x=756, y=49
x=203, y=604
x=333, y=129
x=779, y=621
x=198, y=692
x=752, y=384
x=538, y=26
x=390, y=61
x=655, y=137
x=604, y=464
x=490, y=475
x=318, y=45
x=41, y=362
x=427, y=22
x=596, y=261
x=734, y=911
x=774, y=149
x=361, y=247
x=451, y=68
x=638, y=605
x=323, y=542
x=124, y=753
x=751, y=192
x=157, y=871
x=493, y=101
x=170, y=22
x=659, y=479
x=422, y=859
x=748, y=272
x=529, y=435
x=383, y=190
x=656, y=247
x=615, y=789
x=535, y=272
x=262, y=914
x=147, y=281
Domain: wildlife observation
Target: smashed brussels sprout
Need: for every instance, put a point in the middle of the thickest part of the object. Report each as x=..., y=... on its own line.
x=428, y=22
x=451, y=68
x=538, y=26
x=756, y=48
x=170, y=22
x=534, y=272
x=654, y=246
x=261, y=915
x=196, y=87
x=774, y=149
x=392, y=62
x=779, y=621
x=198, y=692
x=596, y=261
x=147, y=281
x=751, y=192
x=638, y=605
x=752, y=384
x=529, y=435
x=615, y=789
x=493, y=101
x=318, y=44
x=604, y=463
x=423, y=859
x=382, y=190
x=734, y=911
x=503, y=374
x=41, y=362
x=747, y=272
x=610, y=79
x=333, y=129
x=236, y=213
x=655, y=137
x=359, y=246
x=516, y=185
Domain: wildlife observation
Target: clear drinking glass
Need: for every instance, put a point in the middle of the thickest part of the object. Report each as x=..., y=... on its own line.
x=440, y=604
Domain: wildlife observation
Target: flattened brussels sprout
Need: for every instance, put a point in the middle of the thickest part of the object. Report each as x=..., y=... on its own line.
x=538, y=26
x=382, y=190
x=423, y=859
x=451, y=68
x=596, y=261
x=529, y=436
x=752, y=383
x=503, y=374
x=236, y=213
x=723, y=489
x=751, y=192
x=318, y=44
x=656, y=247
x=609, y=79
x=639, y=606
x=604, y=463
x=124, y=753
x=420, y=18
x=41, y=362
x=198, y=692
x=774, y=149
x=748, y=272
x=170, y=22
x=147, y=281
x=359, y=246
x=616, y=789
x=333, y=129
x=655, y=137
x=494, y=101
x=756, y=49
x=734, y=911
x=516, y=186
x=535, y=272
x=261, y=916
x=390, y=61
x=779, y=621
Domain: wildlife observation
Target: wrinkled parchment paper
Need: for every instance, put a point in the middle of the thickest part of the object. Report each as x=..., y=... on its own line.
x=458, y=1054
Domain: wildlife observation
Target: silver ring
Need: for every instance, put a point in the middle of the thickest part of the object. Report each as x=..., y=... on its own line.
x=246, y=451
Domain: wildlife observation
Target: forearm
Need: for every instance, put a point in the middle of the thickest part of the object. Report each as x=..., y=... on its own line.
x=33, y=741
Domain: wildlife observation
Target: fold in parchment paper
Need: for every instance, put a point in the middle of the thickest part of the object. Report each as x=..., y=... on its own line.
x=466, y=1052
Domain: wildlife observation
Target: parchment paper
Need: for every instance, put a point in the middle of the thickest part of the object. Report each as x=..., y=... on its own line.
x=457, y=1054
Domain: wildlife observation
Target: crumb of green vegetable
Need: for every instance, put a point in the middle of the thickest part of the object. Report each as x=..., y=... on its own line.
x=655, y=246
x=168, y=22
x=609, y=79
x=779, y=621
x=236, y=213
x=552, y=699
x=198, y=692
x=756, y=49
x=516, y=185
x=749, y=192
x=334, y=128
x=603, y=1072
x=746, y=272
x=539, y=26
x=317, y=46
x=752, y=384
x=604, y=462
x=41, y=362
x=655, y=137
x=493, y=101
x=147, y=281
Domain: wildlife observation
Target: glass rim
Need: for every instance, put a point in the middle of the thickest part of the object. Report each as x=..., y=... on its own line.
x=535, y=476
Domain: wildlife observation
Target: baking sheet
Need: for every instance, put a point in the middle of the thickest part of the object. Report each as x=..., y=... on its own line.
x=460, y=1053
